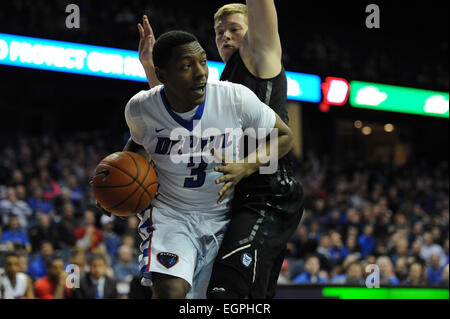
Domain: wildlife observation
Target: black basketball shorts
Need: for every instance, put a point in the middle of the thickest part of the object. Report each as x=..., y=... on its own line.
x=266, y=211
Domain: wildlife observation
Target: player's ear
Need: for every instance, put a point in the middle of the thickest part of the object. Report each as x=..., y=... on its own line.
x=160, y=74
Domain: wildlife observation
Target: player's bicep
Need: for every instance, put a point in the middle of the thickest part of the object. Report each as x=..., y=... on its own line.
x=134, y=123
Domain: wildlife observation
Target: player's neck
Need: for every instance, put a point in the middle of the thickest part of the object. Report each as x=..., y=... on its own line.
x=176, y=104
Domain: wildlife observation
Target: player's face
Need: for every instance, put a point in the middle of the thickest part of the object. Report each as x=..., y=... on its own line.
x=230, y=31
x=187, y=73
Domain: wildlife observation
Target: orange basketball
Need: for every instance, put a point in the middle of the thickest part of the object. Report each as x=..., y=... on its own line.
x=124, y=183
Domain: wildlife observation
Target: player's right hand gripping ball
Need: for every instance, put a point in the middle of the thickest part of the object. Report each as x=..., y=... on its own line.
x=124, y=183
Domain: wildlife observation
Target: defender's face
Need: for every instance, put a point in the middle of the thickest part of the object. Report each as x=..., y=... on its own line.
x=230, y=31
x=187, y=73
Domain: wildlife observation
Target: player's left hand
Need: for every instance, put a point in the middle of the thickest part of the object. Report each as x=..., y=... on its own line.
x=232, y=174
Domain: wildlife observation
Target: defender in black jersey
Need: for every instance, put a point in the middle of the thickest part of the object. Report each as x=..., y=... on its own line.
x=266, y=209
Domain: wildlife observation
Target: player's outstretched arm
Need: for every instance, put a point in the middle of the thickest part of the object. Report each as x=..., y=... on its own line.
x=262, y=43
x=146, y=43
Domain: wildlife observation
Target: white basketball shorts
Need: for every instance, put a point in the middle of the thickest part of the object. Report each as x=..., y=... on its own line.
x=180, y=244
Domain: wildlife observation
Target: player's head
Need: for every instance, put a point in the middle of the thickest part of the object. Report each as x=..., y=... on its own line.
x=230, y=26
x=11, y=264
x=180, y=64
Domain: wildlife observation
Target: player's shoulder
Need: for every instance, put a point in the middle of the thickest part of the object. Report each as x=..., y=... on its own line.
x=145, y=96
x=134, y=105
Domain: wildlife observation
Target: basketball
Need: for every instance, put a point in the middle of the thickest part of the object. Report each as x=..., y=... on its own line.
x=124, y=183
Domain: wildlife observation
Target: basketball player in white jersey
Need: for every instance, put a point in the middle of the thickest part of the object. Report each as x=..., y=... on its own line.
x=15, y=284
x=184, y=226
x=266, y=209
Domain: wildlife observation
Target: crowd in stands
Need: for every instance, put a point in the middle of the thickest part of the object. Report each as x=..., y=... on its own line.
x=360, y=215
x=394, y=217
x=312, y=46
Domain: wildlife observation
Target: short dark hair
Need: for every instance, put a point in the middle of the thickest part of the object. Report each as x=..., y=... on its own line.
x=162, y=50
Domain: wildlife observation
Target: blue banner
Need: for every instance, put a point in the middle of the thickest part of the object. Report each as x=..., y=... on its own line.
x=60, y=56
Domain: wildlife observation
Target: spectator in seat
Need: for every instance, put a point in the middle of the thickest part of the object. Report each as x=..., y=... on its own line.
x=434, y=270
x=112, y=240
x=323, y=252
x=429, y=247
x=311, y=273
x=401, y=250
x=366, y=241
x=38, y=203
x=387, y=274
x=43, y=231
x=401, y=268
x=125, y=267
x=340, y=272
x=21, y=192
x=13, y=206
x=354, y=274
x=78, y=257
x=19, y=282
x=38, y=266
x=88, y=236
x=76, y=192
x=95, y=284
x=301, y=245
x=338, y=251
x=65, y=228
x=14, y=234
x=415, y=254
x=50, y=187
x=53, y=286
x=416, y=276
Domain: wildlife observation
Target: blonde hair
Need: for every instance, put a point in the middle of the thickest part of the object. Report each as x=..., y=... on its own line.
x=231, y=8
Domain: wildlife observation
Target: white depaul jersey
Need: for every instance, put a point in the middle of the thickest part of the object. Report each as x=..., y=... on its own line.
x=180, y=148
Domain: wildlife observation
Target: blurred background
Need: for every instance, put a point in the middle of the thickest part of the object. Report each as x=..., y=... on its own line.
x=376, y=182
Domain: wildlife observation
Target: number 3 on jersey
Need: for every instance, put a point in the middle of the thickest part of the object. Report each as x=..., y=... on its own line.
x=199, y=172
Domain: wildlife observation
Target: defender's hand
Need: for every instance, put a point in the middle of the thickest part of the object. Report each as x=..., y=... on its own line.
x=146, y=43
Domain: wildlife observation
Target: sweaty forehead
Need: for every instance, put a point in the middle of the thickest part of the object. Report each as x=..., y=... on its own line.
x=192, y=49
